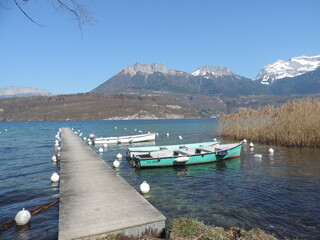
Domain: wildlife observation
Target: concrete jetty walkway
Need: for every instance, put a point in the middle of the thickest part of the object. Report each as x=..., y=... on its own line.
x=94, y=201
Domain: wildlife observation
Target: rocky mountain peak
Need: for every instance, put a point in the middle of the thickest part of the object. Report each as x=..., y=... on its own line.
x=293, y=67
x=150, y=68
x=213, y=71
x=22, y=92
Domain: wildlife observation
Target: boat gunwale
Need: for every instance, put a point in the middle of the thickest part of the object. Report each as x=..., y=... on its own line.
x=129, y=152
x=195, y=154
x=125, y=137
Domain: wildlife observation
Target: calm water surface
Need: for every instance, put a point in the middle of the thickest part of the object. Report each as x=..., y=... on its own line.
x=279, y=193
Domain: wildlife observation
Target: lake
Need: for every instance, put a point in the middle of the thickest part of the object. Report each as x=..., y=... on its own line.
x=279, y=193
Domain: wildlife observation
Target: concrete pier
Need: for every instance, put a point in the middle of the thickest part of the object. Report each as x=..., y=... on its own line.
x=94, y=201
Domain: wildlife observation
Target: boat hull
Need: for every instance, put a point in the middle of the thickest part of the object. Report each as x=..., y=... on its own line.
x=126, y=139
x=197, y=158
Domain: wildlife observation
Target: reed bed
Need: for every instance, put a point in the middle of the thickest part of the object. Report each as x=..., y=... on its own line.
x=296, y=124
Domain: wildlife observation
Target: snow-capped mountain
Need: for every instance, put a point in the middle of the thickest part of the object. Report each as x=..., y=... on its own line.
x=22, y=92
x=156, y=79
x=294, y=67
x=208, y=71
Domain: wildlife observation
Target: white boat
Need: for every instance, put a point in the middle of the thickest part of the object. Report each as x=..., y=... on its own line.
x=125, y=139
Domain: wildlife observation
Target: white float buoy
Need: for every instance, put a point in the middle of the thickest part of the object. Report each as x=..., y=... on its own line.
x=168, y=134
x=214, y=139
x=157, y=134
x=22, y=217
x=271, y=150
x=244, y=140
x=101, y=149
x=54, y=158
x=105, y=145
x=180, y=137
x=116, y=163
x=91, y=136
x=55, y=177
x=144, y=187
x=115, y=127
x=119, y=155
x=257, y=156
x=251, y=145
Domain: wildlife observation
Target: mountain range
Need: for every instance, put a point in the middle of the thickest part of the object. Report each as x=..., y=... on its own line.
x=156, y=79
x=154, y=91
x=299, y=75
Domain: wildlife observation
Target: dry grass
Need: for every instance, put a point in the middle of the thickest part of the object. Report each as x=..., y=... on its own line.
x=191, y=229
x=295, y=124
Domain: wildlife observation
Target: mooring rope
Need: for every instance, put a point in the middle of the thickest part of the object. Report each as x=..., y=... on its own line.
x=8, y=224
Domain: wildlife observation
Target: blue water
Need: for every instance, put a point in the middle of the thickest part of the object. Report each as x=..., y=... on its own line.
x=279, y=193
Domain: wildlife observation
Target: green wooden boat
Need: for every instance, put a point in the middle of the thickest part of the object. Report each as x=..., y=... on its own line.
x=187, y=156
x=146, y=150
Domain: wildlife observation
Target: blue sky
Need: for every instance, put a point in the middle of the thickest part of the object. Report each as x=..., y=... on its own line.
x=182, y=34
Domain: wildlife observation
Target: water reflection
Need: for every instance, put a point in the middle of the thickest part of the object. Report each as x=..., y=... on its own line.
x=23, y=232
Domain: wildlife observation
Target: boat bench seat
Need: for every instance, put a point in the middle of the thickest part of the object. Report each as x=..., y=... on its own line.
x=203, y=150
x=199, y=150
x=142, y=156
x=161, y=153
x=178, y=152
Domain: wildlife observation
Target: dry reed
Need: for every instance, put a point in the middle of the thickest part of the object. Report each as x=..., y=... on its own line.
x=295, y=124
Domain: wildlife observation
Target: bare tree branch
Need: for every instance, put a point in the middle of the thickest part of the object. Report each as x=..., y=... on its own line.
x=80, y=13
x=21, y=9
